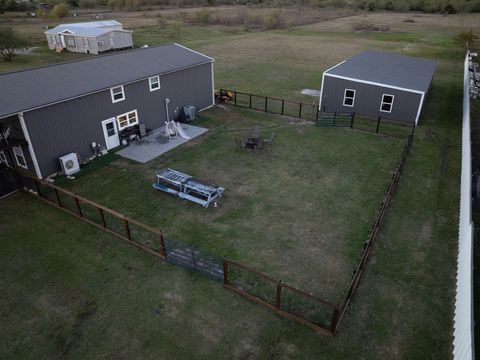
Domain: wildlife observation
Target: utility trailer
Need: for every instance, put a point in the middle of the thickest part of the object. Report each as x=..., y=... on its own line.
x=186, y=187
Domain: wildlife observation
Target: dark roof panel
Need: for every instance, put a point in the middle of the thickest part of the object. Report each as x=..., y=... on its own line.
x=388, y=69
x=28, y=89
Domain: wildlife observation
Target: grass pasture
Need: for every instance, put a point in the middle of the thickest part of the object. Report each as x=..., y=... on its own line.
x=70, y=291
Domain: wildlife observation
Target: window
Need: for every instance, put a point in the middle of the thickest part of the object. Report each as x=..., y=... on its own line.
x=154, y=83
x=85, y=42
x=128, y=119
x=118, y=94
x=100, y=43
x=349, y=97
x=70, y=41
x=19, y=158
x=3, y=158
x=387, y=103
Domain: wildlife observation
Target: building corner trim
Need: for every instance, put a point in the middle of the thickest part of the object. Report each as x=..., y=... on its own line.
x=30, y=145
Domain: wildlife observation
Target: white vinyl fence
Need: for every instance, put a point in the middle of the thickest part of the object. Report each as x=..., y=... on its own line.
x=463, y=344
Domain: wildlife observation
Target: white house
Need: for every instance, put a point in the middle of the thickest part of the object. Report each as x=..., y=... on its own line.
x=93, y=37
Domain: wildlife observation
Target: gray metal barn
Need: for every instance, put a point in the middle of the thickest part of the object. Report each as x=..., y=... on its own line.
x=94, y=37
x=51, y=111
x=378, y=84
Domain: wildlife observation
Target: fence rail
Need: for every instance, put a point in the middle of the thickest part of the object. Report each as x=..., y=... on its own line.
x=134, y=232
x=287, y=301
x=306, y=111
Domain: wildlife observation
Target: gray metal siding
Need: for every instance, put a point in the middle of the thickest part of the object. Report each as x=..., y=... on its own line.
x=71, y=126
x=368, y=99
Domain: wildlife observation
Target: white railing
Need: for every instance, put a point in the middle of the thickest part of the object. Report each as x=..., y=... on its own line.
x=463, y=343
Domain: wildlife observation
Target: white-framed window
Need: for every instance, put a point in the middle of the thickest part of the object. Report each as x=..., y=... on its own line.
x=154, y=83
x=349, y=97
x=387, y=103
x=19, y=157
x=118, y=93
x=127, y=119
x=100, y=43
x=70, y=41
x=3, y=158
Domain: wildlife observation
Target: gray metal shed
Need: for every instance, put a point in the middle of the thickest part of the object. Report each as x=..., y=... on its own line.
x=94, y=37
x=378, y=84
x=59, y=111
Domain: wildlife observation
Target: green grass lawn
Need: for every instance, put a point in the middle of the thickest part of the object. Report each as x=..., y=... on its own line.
x=302, y=207
x=71, y=291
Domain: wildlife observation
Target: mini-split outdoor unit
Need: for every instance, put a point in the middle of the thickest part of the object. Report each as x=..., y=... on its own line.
x=69, y=164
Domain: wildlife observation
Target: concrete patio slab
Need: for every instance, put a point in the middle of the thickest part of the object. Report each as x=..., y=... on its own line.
x=157, y=143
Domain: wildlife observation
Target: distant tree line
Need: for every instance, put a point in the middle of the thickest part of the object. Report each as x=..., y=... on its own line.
x=428, y=6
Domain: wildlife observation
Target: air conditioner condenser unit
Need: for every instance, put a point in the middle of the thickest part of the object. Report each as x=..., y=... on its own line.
x=69, y=164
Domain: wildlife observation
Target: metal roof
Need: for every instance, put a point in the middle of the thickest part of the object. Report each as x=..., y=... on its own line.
x=388, y=69
x=83, y=25
x=28, y=89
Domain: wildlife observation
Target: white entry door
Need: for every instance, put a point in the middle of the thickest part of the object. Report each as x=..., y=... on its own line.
x=111, y=133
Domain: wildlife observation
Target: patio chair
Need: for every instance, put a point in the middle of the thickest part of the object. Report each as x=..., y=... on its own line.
x=240, y=144
x=260, y=145
x=269, y=141
x=256, y=132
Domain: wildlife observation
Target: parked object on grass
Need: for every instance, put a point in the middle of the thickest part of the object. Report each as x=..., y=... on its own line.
x=269, y=141
x=186, y=187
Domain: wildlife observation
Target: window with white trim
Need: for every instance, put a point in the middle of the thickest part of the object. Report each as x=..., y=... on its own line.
x=154, y=83
x=3, y=158
x=127, y=120
x=387, y=103
x=349, y=97
x=19, y=157
x=118, y=93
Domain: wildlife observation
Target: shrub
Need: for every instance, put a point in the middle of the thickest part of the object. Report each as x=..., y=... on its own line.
x=369, y=27
x=389, y=6
x=87, y=4
x=59, y=11
x=274, y=20
x=371, y=6
x=449, y=9
x=203, y=16
x=465, y=38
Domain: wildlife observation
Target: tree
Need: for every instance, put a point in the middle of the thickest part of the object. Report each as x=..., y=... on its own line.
x=59, y=11
x=465, y=38
x=9, y=41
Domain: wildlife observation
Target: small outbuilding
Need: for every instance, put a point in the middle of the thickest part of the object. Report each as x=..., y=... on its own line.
x=378, y=84
x=94, y=37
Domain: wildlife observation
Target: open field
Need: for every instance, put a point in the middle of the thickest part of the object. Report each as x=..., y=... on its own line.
x=73, y=292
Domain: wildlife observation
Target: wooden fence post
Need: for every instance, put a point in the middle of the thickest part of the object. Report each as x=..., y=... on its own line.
x=378, y=124
x=351, y=120
x=59, y=203
x=266, y=103
x=316, y=117
x=300, y=111
x=37, y=187
x=79, y=208
x=334, y=321
x=250, y=104
x=235, y=98
x=163, y=250
x=226, y=280
x=278, y=295
x=283, y=105
x=127, y=229
x=102, y=217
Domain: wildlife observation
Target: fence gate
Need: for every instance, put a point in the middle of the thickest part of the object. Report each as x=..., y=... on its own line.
x=194, y=259
x=8, y=181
